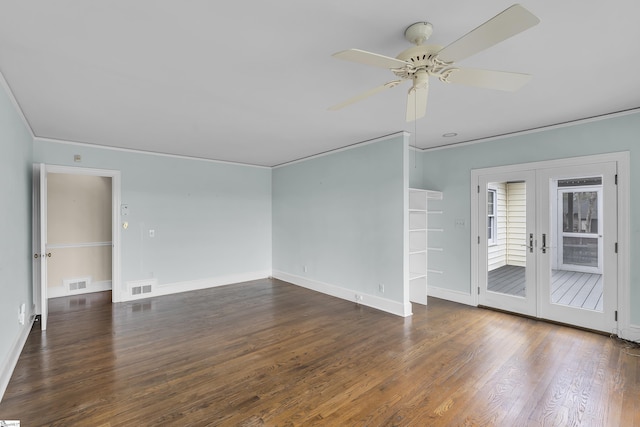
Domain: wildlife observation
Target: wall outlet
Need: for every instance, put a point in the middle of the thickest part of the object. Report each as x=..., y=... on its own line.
x=21, y=314
x=381, y=287
x=304, y=268
x=359, y=297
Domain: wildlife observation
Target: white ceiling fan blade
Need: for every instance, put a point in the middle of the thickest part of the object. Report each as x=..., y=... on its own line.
x=366, y=94
x=417, y=102
x=499, y=80
x=369, y=58
x=508, y=23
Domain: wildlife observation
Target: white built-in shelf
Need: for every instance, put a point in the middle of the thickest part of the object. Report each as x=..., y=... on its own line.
x=418, y=213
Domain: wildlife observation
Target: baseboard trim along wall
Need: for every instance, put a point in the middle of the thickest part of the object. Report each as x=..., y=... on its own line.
x=12, y=360
x=373, y=301
x=630, y=333
x=450, y=295
x=190, y=285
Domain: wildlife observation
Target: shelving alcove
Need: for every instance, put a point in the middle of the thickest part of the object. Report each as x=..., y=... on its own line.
x=418, y=247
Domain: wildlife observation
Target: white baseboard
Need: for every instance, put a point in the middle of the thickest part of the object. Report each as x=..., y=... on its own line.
x=61, y=291
x=450, y=295
x=630, y=333
x=194, y=285
x=14, y=354
x=373, y=301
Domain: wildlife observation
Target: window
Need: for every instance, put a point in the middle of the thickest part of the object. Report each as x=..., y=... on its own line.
x=492, y=224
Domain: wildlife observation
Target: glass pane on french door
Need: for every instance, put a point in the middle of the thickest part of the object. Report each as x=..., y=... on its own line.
x=507, y=246
x=506, y=238
x=576, y=279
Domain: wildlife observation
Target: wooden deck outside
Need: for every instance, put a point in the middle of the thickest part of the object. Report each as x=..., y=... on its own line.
x=575, y=289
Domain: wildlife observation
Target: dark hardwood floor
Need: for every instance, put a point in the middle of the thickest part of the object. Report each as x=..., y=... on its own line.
x=270, y=353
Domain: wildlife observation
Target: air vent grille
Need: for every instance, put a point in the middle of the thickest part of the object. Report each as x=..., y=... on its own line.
x=77, y=284
x=141, y=287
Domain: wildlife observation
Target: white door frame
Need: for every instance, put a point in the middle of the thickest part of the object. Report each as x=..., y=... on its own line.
x=39, y=235
x=625, y=329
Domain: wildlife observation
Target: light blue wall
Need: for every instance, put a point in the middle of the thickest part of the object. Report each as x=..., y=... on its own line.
x=210, y=219
x=449, y=170
x=416, y=165
x=15, y=225
x=341, y=215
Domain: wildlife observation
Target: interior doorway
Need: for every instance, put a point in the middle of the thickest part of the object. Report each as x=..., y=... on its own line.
x=547, y=240
x=79, y=234
x=66, y=254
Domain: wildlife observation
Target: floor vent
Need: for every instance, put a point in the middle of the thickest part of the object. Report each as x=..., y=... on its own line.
x=77, y=285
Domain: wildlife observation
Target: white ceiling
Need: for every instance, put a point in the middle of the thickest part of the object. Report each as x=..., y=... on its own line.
x=250, y=81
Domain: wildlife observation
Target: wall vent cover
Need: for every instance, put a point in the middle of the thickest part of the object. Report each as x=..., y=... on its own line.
x=77, y=285
x=141, y=287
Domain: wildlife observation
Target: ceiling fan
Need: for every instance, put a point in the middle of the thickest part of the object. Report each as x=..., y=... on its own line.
x=422, y=61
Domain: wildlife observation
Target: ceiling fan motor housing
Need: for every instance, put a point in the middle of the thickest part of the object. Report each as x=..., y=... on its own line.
x=422, y=57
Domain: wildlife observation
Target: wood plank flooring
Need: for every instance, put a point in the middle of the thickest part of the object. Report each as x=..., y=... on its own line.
x=268, y=353
x=508, y=279
x=575, y=289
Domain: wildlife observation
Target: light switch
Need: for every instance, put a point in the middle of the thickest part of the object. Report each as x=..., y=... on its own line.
x=152, y=233
x=124, y=210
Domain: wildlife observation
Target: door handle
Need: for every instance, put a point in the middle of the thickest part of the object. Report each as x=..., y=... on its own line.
x=544, y=243
x=530, y=246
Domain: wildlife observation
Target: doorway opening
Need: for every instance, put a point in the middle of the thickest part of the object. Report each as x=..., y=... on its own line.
x=79, y=234
x=76, y=253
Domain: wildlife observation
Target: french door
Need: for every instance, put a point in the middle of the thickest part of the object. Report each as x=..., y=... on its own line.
x=547, y=242
x=577, y=262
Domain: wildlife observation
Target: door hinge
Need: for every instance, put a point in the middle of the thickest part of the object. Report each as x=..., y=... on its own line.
x=616, y=179
x=616, y=247
x=478, y=239
x=478, y=189
x=616, y=315
x=478, y=290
